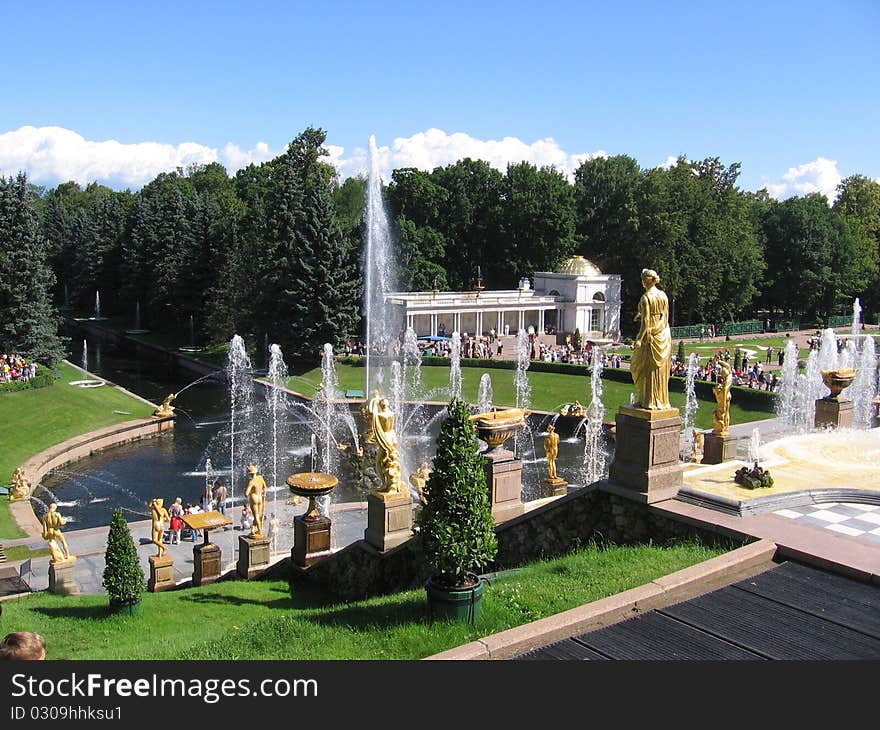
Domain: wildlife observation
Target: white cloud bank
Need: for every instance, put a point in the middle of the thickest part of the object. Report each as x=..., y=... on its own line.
x=51, y=155
x=819, y=176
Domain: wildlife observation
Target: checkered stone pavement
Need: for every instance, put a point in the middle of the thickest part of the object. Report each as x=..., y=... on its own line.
x=847, y=518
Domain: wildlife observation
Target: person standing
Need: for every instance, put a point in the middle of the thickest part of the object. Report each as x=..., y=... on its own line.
x=220, y=496
x=176, y=512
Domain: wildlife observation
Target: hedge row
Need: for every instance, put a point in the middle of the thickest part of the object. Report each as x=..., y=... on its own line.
x=43, y=378
x=752, y=398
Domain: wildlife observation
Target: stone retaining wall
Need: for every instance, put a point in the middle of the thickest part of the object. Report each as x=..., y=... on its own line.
x=554, y=529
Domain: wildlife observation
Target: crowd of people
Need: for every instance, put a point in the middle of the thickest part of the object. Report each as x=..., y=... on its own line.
x=750, y=374
x=14, y=367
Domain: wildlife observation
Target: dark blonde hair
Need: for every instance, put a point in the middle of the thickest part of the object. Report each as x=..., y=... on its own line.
x=23, y=645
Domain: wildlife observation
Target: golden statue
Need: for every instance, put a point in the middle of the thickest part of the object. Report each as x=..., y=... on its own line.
x=367, y=410
x=387, y=457
x=697, y=456
x=166, y=409
x=160, y=518
x=721, y=416
x=573, y=409
x=551, y=448
x=419, y=478
x=19, y=488
x=256, y=494
x=652, y=351
x=52, y=524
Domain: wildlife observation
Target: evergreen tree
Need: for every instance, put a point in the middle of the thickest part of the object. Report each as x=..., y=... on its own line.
x=324, y=293
x=28, y=321
x=123, y=577
x=456, y=527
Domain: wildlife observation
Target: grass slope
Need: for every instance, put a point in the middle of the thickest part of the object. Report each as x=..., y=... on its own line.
x=549, y=390
x=34, y=420
x=233, y=620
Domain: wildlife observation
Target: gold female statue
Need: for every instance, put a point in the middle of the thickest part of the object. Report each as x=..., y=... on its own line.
x=256, y=494
x=387, y=457
x=721, y=416
x=160, y=518
x=652, y=351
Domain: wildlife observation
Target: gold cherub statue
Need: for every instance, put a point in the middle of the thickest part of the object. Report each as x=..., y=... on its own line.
x=19, y=487
x=419, y=478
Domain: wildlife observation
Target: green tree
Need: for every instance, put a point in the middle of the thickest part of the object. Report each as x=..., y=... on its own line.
x=28, y=321
x=456, y=527
x=123, y=578
x=859, y=197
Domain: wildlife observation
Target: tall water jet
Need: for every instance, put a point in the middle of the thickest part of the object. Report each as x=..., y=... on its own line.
x=412, y=365
x=485, y=394
x=85, y=355
x=810, y=389
x=97, y=304
x=521, y=378
x=754, y=446
x=864, y=388
x=691, y=404
x=377, y=273
x=595, y=453
x=788, y=401
x=242, y=447
x=857, y=318
x=455, y=367
x=277, y=402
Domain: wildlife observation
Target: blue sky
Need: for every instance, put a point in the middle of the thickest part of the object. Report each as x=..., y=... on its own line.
x=789, y=89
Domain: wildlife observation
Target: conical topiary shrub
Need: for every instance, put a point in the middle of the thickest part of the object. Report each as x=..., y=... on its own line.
x=456, y=527
x=123, y=577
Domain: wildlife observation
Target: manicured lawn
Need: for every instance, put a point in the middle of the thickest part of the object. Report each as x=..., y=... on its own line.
x=233, y=620
x=549, y=390
x=708, y=349
x=33, y=420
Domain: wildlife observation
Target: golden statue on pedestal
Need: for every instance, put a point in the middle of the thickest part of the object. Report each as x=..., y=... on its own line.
x=652, y=351
x=19, y=488
x=721, y=416
x=160, y=517
x=52, y=524
x=551, y=448
x=387, y=457
x=367, y=410
x=166, y=409
x=256, y=494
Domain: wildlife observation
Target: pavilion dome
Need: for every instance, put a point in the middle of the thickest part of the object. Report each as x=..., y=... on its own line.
x=579, y=266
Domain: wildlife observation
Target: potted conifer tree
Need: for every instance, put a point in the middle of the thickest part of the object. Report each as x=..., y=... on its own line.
x=456, y=527
x=123, y=577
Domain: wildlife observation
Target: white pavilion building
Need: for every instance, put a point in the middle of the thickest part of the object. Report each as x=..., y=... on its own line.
x=578, y=296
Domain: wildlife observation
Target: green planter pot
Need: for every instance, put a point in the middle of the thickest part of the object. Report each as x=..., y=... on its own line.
x=128, y=609
x=457, y=604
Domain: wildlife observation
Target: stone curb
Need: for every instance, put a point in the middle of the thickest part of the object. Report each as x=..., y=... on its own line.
x=673, y=588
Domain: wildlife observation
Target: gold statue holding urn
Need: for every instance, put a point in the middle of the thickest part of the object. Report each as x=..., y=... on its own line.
x=388, y=466
x=652, y=351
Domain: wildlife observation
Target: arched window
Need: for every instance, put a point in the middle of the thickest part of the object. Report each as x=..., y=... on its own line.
x=554, y=293
x=598, y=297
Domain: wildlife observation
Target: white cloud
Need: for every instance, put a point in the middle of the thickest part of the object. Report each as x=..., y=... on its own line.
x=50, y=155
x=819, y=176
x=435, y=148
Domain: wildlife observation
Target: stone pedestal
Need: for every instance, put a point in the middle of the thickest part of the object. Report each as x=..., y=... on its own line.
x=834, y=413
x=504, y=479
x=554, y=487
x=161, y=574
x=206, y=564
x=253, y=556
x=646, y=466
x=311, y=541
x=718, y=447
x=389, y=520
x=61, y=578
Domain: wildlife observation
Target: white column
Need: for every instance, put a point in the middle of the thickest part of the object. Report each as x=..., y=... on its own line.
x=521, y=320
x=500, y=328
x=541, y=321
x=456, y=322
x=479, y=331
x=433, y=324
x=411, y=321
